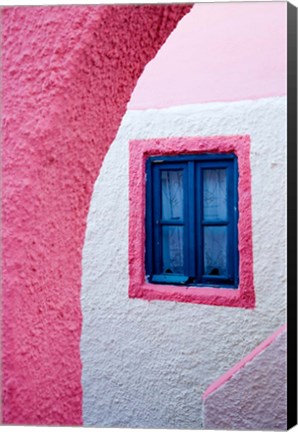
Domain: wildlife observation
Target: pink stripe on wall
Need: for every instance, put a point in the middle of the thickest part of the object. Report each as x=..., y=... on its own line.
x=68, y=73
x=231, y=372
x=219, y=52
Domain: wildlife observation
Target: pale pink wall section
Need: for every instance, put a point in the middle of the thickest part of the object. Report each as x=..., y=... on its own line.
x=252, y=394
x=218, y=52
x=68, y=73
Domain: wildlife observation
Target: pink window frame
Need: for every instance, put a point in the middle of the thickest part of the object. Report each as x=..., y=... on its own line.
x=140, y=150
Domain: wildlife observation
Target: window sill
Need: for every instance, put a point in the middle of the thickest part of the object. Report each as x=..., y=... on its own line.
x=199, y=295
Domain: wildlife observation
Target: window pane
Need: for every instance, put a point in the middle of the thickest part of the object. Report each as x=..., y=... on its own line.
x=172, y=249
x=172, y=194
x=215, y=250
x=215, y=194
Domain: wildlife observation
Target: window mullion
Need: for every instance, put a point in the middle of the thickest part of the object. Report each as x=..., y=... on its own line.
x=199, y=220
x=230, y=240
x=190, y=221
x=235, y=224
x=157, y=238
x=149, y=256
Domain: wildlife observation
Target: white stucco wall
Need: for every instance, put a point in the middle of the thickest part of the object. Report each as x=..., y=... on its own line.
x=146, y=364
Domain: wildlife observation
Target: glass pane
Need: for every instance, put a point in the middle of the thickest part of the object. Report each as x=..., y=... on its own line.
x=172, y=194
x=172, y=249
x=215, y=194
x=215, y=250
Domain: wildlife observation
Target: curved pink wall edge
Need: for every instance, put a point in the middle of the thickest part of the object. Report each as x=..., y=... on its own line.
x=244, y=296
x=231, y=372
x=68, y=73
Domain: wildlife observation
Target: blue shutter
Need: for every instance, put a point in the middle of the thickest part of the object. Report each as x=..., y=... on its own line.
x=191, y=220
x=217, y=200
x=169, y=222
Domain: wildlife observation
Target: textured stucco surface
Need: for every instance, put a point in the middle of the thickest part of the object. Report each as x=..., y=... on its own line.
x=68, y=73
x=218, y=52
x=243, y=362
x=147, y=363
x=255, y=397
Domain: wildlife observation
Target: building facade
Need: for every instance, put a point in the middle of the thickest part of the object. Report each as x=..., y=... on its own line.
x=92, y=333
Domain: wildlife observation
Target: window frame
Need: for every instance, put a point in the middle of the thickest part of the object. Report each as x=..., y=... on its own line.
x=192, y=166
x=138, y=287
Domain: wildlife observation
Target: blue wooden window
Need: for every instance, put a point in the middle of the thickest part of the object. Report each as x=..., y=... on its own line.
x=191, y=220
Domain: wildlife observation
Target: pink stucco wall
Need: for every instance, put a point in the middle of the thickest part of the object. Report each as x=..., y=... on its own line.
x=223, y=52
x=68, y=73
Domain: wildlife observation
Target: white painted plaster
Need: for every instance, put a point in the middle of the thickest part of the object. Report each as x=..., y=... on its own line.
x=255, y=397
x=146, y=364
